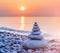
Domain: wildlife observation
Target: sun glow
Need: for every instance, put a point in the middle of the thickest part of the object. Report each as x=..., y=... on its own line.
x=22, y=8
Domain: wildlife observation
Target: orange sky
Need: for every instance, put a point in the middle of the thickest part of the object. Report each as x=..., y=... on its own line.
x=33, y=7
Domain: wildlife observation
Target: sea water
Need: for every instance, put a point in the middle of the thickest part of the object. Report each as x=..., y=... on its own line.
x=48, y=25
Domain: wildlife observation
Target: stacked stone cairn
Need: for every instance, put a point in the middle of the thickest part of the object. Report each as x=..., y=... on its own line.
x=35, y=39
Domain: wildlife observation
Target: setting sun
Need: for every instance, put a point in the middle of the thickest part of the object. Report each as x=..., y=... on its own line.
x=22, y=8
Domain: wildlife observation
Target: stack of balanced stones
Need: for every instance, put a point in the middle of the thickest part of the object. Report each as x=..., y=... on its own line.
x=35, y=39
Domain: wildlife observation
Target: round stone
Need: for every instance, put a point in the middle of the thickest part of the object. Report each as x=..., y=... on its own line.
x=35, y=37
x=35, y=44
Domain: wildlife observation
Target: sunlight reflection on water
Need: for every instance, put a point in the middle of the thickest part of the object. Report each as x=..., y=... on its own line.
x=22, y=23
